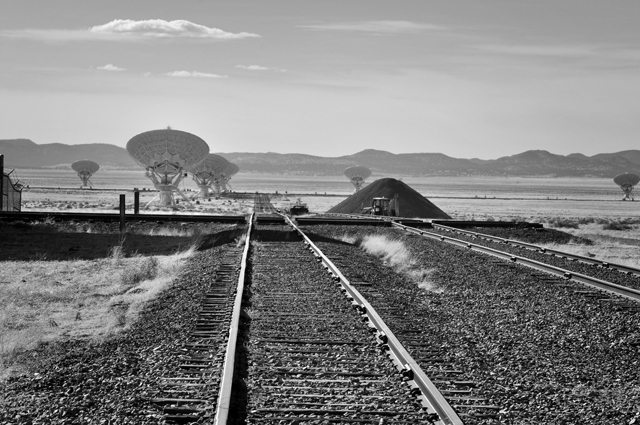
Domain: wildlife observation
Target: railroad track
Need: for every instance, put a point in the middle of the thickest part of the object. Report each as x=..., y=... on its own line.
x=475, y=307
x=320, y=342
x=314, y=347
x=262, y=204
x=599, y=284
x=192, y=391
x=532, y=247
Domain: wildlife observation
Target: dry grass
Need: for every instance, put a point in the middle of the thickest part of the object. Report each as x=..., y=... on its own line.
x=396, y=255
x=614, y=246
x=45, y=300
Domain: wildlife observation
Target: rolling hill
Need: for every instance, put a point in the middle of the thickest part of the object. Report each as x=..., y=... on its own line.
x=24, y=153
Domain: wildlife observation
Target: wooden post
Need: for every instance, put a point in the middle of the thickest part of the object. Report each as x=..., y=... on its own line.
x=122, y=223
x=1, y=183
x=136, y=202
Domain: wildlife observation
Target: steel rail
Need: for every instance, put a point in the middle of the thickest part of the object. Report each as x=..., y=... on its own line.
x=226, y=381
x=610, y=287
x=562, y=254
x=410, y=368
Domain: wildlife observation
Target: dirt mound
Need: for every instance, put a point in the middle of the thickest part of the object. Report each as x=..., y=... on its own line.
x=412, y=204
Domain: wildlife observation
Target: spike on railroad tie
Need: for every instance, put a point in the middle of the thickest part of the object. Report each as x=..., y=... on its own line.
x=383, y=337
x=568, y=275
x=513, y=259
x=407, y=372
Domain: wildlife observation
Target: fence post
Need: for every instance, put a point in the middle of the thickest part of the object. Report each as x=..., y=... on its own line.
x=136, y=202
x=122, y=224
x=2, y=183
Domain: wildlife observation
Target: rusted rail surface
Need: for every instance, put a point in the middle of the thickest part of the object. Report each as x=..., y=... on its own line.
x=613, y=288
x=587, y=260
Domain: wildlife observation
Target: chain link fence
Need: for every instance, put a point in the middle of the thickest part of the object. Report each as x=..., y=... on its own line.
x=11, y=194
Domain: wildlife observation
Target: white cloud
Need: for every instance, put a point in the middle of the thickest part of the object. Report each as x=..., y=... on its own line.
x=194, y=74
x=110, y=67
x=159, y=28
x=260, y=68
x=130, y=30
x=387, y=27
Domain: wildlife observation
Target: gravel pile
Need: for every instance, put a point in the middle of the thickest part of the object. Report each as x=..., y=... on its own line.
x=111, y=382
x=412, y=203
x=599, y=272
x=526, y=343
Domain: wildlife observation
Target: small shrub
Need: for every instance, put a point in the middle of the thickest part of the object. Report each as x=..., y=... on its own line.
x=616, y=226
x=564, y=223
x=144, y=270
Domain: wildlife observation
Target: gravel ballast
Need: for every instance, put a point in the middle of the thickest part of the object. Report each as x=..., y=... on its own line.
x=111, y=382
x=536, y=350
x=599, y=272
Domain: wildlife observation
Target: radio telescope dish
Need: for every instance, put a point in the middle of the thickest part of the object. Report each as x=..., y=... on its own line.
x=357, y=175
x=85, y=170
x=205, y=173
x=231, y=170
x=165, y=154
x=626, y=182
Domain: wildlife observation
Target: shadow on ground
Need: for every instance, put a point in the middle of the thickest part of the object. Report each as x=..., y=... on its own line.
x=24, y=243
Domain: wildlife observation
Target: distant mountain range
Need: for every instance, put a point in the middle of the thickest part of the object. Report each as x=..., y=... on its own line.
x=23, y=153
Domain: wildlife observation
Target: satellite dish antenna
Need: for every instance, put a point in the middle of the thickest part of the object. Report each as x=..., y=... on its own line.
x=165, y=154
x=357, y=175
x=231, y=170
x=626, y=182
x=85, y=170
x=205, y=173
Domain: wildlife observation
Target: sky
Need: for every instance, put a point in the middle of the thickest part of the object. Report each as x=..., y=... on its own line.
x=467, y=78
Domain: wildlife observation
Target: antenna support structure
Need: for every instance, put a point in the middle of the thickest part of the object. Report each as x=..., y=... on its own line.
x=166, y=155
x=357, y=175
x=627, y=182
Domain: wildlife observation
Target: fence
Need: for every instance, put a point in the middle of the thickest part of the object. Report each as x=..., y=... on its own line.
x=11, y=199
x=11, y=194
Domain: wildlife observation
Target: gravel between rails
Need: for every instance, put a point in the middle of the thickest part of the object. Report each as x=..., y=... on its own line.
x=531, y=346
x=311, y=358
x=599, y=272
x=112, y=382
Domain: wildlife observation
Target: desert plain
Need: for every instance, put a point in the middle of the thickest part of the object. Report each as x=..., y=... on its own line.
x=91, y=289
